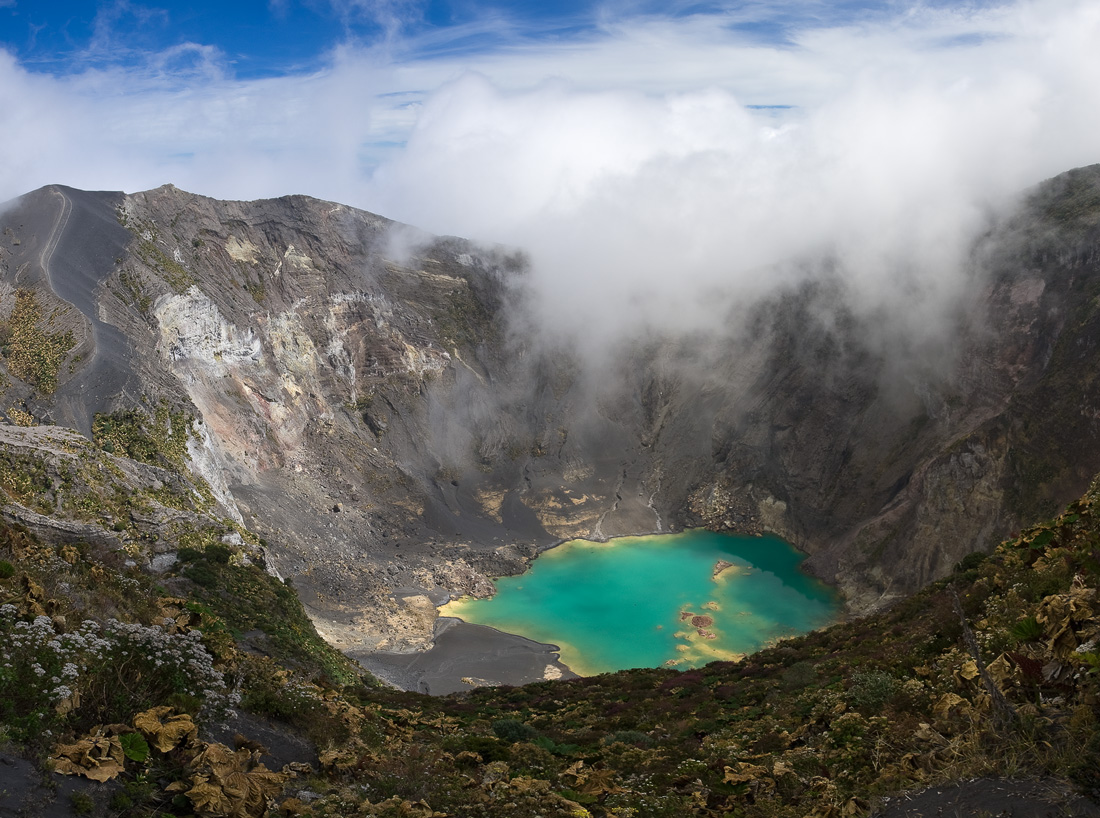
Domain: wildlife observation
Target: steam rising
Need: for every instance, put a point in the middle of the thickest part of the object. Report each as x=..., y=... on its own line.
x=628, y=164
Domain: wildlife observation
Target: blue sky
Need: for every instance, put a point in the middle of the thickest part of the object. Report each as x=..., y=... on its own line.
x=65, y=36
x=257, y=38
x=627, y=138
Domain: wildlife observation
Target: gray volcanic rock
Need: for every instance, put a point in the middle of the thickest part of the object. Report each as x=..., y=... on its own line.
x=365, y=398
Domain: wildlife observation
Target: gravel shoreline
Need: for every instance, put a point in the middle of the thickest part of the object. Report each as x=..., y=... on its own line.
x=462, y=653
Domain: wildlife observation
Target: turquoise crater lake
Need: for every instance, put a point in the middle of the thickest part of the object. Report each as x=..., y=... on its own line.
x=668, y=599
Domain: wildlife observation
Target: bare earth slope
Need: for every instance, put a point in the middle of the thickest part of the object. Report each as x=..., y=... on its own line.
x=376, y=414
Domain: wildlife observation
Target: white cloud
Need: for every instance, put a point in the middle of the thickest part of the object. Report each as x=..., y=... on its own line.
x=637, y=207
x=131, y=130
x=625, y=159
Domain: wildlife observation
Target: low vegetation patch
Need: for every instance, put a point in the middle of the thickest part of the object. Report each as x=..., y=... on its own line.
x=159, y=438
x=994, y=671
x=33, y=354
x=247, y=599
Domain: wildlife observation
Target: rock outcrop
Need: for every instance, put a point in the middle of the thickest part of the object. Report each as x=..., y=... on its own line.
x=376, y=416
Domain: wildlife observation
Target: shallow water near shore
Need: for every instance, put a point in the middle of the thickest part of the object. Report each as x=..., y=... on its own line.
x=657, y=600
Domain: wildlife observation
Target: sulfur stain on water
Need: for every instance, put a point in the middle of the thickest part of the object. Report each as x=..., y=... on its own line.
x=669, y=599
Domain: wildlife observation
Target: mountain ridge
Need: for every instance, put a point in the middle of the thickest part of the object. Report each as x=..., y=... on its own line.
x=318, y=368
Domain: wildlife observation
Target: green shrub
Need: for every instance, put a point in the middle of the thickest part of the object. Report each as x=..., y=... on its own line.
x=1085, y=771
x=490, y=749
x=549, y=745
x=188, y=554
x=512, y=731
x=970, y=562
x=1034, y=586
x=635, y=737
x=288, y=703
x=1042, y=539
x=579, y=797
x=219, y=553
x=1026, y=630
x=82, y=803
x=201, y=574
x=293, y=703
x=7, y=570
x=799, y=675
x=869, y=690
x=121, y=801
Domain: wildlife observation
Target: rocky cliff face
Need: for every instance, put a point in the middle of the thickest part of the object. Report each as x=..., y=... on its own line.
x=364, y=398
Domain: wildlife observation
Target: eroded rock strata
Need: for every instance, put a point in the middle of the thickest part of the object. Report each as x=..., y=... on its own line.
x=375, y=414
